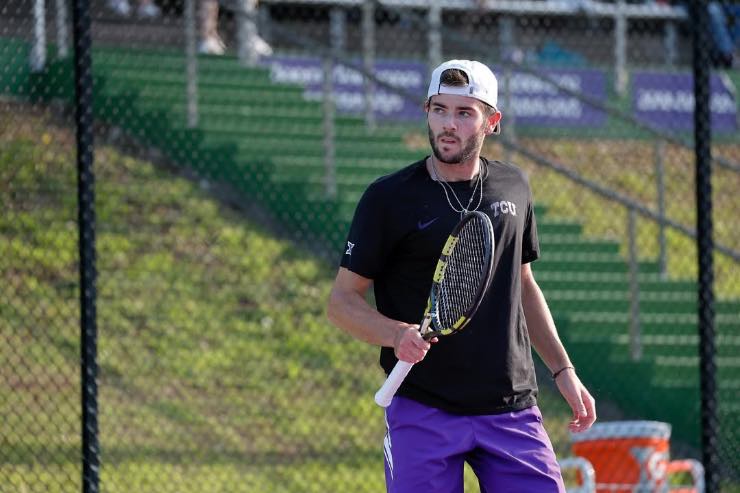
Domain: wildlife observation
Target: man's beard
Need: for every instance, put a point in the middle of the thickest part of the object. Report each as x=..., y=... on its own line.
x=470, y=147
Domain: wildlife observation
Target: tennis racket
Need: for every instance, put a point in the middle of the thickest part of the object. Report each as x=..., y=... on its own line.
x=460, y=281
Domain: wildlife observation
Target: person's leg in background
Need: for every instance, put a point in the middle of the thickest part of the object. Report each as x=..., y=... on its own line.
x=723, y=49
x=210, y=42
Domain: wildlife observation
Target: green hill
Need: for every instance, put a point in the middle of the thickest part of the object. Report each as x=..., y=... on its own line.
x=218, y=369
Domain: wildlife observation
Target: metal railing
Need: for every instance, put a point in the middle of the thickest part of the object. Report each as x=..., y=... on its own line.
x=633, y=208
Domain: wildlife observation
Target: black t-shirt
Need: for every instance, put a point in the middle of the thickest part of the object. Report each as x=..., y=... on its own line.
x=396, y=237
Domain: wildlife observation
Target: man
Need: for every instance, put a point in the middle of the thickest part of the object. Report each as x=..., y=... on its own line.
x=472, y=397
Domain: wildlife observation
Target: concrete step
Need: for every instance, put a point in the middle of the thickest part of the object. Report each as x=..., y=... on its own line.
x=169, y=60
x=309, y=147
x=609, y=281
x=610, y=322
x=653, y=345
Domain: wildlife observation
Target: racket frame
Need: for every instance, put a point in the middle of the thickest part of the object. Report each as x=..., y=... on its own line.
x=430, y=326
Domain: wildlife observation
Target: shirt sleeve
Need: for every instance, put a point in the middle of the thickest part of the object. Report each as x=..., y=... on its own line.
x=366, y=246
x=530, y=242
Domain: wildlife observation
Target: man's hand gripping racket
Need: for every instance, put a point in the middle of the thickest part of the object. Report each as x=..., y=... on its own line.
x=460, y=281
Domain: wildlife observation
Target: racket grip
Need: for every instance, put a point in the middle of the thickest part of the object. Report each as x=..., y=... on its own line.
x=384, y=395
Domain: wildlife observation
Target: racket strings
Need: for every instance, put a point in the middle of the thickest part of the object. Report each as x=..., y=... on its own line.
x=467, y=268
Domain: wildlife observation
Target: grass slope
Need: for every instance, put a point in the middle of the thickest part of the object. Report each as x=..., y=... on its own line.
x=218, y=370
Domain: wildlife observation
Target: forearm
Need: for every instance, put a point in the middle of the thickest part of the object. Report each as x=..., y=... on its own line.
x=541, y=326
x=353, y=314
x=544, y=337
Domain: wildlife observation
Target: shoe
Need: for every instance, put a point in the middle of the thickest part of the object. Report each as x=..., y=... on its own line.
x=261, y=46
x=120, y=7
x=149, y=11
x=212, y=45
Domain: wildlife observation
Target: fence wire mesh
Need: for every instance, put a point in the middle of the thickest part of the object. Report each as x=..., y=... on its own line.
x=227, y=169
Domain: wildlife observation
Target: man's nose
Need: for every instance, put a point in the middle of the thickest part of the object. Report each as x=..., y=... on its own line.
x=449, y=122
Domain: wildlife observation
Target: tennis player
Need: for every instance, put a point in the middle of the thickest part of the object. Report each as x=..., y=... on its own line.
x=473, y=396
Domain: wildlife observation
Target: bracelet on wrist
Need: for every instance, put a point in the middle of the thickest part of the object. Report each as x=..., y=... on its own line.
x=569, y=367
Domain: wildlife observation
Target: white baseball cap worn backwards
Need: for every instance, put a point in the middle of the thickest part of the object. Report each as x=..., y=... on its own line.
x=482, y=84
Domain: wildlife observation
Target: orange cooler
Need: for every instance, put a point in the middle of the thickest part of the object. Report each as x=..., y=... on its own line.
x=627, y=456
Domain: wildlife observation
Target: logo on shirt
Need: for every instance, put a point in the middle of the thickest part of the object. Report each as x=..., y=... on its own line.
x=350, y=246
x=503, y=207
x=424, y=225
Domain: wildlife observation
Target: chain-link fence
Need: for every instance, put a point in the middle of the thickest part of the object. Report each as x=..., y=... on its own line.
x=227, y=169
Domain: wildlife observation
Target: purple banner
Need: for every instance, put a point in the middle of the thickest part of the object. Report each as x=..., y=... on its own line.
x=537, y=102
x=348, y=85
x=667, y=101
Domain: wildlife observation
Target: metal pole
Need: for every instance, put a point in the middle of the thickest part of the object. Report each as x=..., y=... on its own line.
x=699, y=14
x=330, y=182
x=634, y=270
x=368, y=58
x=660, y=185
x=620, y=49
x=434, y=20
x=246, y=32
x=337, y=20
x=670, y=43
x=191, y=64
x=86, y=221
x=506, y=40
x=62, y=34
x=337, y=29
x=38, y=51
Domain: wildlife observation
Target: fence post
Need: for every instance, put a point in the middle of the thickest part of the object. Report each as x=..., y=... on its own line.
x=86, y=225
x=699, y=15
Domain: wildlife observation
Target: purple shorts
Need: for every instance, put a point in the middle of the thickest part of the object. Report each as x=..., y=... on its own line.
x=426, y=448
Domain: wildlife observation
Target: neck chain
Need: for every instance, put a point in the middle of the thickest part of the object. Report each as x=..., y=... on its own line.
x=463, y=209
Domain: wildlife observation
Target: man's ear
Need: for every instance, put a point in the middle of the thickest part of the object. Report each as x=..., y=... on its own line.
x=493, y=120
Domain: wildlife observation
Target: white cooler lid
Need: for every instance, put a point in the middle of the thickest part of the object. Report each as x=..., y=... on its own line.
x=624, y=429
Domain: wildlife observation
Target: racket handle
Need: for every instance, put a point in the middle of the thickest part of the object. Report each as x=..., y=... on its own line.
x=384, y=396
